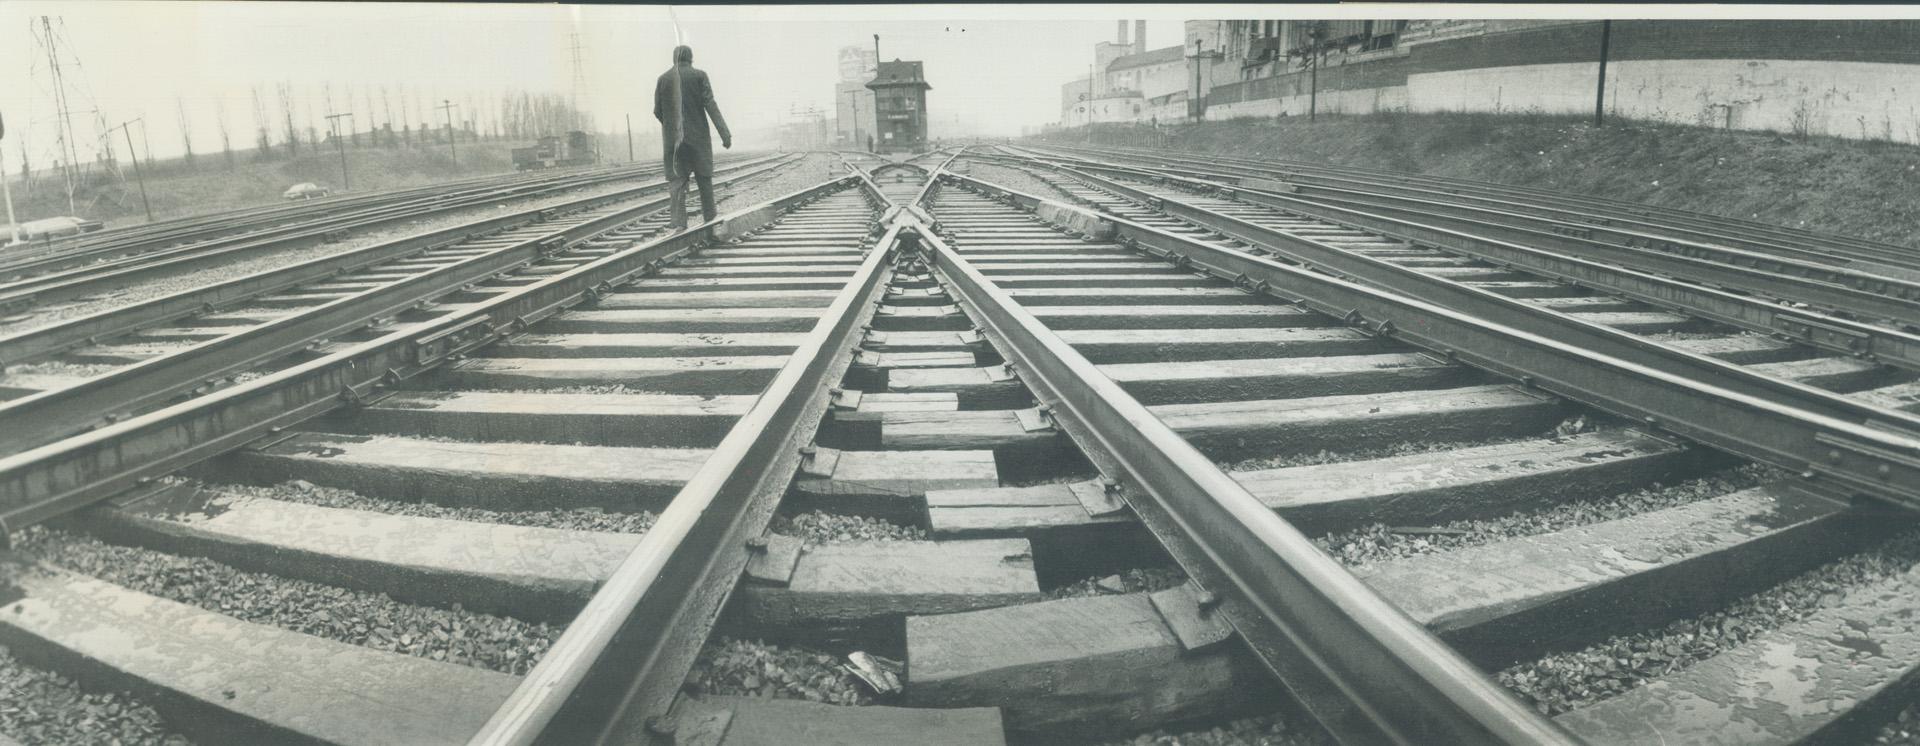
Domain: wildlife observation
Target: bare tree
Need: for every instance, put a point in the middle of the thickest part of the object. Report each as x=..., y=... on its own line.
x=326, y=96
x=286, y=110
x=26, y=168
x=313, y=128
x=386, y=107
x=366, y=97
x=220, y=118
x=186, y=128
x=261, y=126
x=406, y=115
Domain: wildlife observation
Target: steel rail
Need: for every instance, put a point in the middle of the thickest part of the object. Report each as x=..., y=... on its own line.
x=79, y=281
x=56, y=413
x=1854, y=457
x=613, y=675
x=1877, y=297
x=74, y=472
x=1807, y=326
x=151, y=237
x=1364, y=669
x=47, y=340
x=1817, y=264
x=1521, y=315
x=1574, y=203
x=1816, y=329
x=1581, y=209
x=125, y=247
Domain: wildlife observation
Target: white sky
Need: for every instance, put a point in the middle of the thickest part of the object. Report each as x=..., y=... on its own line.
x=995, y=68
x=137, y=57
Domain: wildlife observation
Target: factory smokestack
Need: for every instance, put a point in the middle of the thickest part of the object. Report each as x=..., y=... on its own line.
x=1139, y=37
x=1120, y=34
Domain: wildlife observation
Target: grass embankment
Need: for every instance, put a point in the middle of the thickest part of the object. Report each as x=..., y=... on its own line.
x=1865, y=189
x=177, y=188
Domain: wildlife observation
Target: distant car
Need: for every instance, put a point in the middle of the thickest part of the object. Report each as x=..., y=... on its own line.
x=306, y=190
x=51, y=228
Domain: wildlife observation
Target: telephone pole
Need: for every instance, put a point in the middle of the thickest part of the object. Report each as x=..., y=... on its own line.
x=448, y=106
x=13, y=224
x=629, y=138
x=340, y=144
x=69, y=151
x=1600, y=93
x=136, y=164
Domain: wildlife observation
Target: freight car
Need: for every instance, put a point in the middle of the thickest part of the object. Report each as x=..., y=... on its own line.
x=576, y=149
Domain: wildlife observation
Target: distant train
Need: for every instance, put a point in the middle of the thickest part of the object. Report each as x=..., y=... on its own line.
x=576, y=149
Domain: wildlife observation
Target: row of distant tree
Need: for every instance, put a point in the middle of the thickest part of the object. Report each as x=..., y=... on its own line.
x=396, y=121
x=283, y=126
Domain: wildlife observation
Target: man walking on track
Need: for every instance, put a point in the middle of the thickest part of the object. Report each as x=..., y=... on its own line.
x=682, y=101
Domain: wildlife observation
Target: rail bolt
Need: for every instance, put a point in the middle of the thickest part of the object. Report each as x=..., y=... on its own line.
x=757, y=543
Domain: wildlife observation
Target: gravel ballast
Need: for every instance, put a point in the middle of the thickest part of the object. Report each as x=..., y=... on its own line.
x=817, y=527
x=1567, y=681
x=370, y=620
x=588, y=519
x=1137, y=580
x=756, y=669
x=1260, y=730
x=1017, y=180
x=43, y=707
x=1378, y=543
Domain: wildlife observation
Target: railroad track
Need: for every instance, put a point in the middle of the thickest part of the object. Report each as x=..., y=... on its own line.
x=48, y=256
x=1098, y=464
x=101, y=271
x=1578, y=210
x=1885, y=293
x=109, y=366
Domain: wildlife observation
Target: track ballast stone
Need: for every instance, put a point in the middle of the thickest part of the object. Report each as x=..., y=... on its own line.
x=1567, y=681
x=38, y=706
x=1380, y=543
x=755, y=669
x=580, y=519
x=370, y=620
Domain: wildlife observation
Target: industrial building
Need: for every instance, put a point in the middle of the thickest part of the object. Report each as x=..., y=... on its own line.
x=1839, y=78
x=852, y=101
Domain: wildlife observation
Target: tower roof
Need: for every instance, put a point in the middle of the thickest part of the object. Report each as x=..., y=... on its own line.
x=899, y=74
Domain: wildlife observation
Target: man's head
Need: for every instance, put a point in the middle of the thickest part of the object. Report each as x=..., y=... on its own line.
x=683, y=54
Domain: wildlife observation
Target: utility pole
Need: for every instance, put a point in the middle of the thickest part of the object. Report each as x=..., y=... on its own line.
x=136, y=164
x=13, y=224
x=1310, y=57
x=447, y=106
x=69, y=151
x=629, y=138
x=1089, y=104
x=340, y=144
x=1600, y=92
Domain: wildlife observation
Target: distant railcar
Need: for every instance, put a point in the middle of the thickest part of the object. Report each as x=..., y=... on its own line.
x=576, y=149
